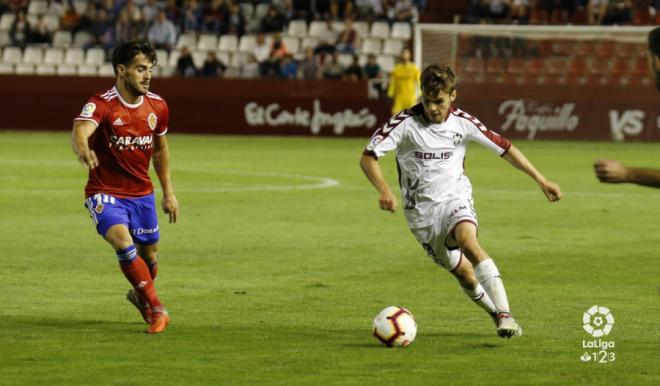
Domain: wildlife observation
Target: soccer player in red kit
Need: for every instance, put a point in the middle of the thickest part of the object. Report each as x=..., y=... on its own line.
x=115, y=136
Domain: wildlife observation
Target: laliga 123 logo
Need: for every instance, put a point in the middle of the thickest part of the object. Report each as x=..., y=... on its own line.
x=598, y=321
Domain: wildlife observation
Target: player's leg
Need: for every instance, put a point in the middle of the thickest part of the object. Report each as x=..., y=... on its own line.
x=486, y=272
x=149, y=253
x=464, y=273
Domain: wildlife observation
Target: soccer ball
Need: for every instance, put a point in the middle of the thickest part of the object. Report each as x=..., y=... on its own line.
x=395, y=327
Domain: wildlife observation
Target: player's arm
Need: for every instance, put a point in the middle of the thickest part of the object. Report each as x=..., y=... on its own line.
x=518, y=160
x=615, y=172
x=82, y=130
x=161, y=160
x=374, y=173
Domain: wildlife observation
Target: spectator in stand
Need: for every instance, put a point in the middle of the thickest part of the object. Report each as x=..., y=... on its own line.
x=399, y=10
x=162, y=33
x=236, y=20
x=101, y=30
x=128, y=29
x=185, y=66
x=310, y=67
x=215, y=17
x=17, y=5
x=332, y=68
x=278, y=50
x=372, y=71
x=285, y=8
x=149, y=11
x=173, y=12
x=261, y=53
x=20, y=32
x=348, y=39
x=41, y=34
x=302, y=9
x=192, y=16
x=369, y=10
x=520, y=11
x=288, y=67
x=354, y=71
x=70, y=18
x=327, y=39
x=616, y=12
x=273, y=21
x=54, y=8
x=213, y=67
x=498, y=11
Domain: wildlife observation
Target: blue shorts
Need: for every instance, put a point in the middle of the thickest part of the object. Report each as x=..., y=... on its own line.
x=138, y=214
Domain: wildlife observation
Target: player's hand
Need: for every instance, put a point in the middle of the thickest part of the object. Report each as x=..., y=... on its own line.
x=387, y=201
x=89, y=159
x=610, y=171
x=551, y=190
x=171, y=207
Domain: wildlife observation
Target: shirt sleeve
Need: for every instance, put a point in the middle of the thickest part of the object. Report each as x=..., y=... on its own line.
x=387, y=137
x=94, y=110
x=164, y=120
x=476, y=131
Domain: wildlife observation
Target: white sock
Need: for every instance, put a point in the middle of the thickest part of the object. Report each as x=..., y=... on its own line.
x=489, y=277
x=481, y=298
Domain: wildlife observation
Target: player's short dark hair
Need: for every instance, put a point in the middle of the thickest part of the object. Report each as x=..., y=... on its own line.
x=125, y=52
x=654, y=41
x=437, y=77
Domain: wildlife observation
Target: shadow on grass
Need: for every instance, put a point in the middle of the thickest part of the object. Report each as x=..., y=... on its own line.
x=33, y=323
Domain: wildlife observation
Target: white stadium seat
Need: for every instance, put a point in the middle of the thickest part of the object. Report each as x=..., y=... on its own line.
x=106, y=70
x=174, y=58
x=297, y=28
x=87, y=70
x=33, y=54
x=316, y=28
x=12, y=55
x=24, y=69
x=386, y=62
x=248, y=10
x=74, y=56
x=224, y=57
x=247, y=43
x=54, y=56
x=6, y=20
x=292, y=43
x=6, y=68
x=380, y=29
x=37, y=7
x=82, y=39
x=228, y=43
x=52, y=22
x=4, y=38
x=66, y=69
x=345, y=59
x=207, y=42
x=45, y=69
x=393, y=46
x=188, y=39
x=238, y=59
x=198, y=58
x=309, y=42
x=62, y=39
x=80, y=6
x=371, y=46
x=261, y=10
x=162, y=57
x=401, y=30
x=362, y=28
x=95, y=56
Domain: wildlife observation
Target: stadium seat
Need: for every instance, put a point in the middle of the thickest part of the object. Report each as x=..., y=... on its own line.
x=605, y=49
x=238, y=59
x=162, y=57
x=80, y=6
x=598, y=67
x=24, y=69
x=584, y=48
x=534, y=67
x=6, y=20
x=620, y=66
x=12, y=55
x=45, y=69
x=386, y=62
x=6, y=68
x=292, y=43
x=371, y=46
x=246, y=44
x=380, y=29
x=472, y=66
x=209, y=42
x=106, y=70
x=62, y=39
x=247, y=9
x=74, y=56
x=362, y=28
x=309, y=42
x=640, y=67
x=187, y=39
x=198, y=58
x=52, y=22
x=95, y=56
x=563, y=47
x=316, y=28
x=174, y=58
x=261, y=10
x=401, y=30
x=345, y=59
x=297, y=28
x=228, y=43
x=625, y=50
x=53, y=56
x=66, y=69
x=4, y=38
x=87, y=70
x=82, y=39
x=393, y=46
x=515, y=66
x=495, y=66
x=577, y=66
x=555, y=66
x=165, y=71
x=224, y=57
x=33, y=54
x=37, y=7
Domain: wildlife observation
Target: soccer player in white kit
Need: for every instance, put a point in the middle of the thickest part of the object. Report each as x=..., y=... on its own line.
x=430, y=140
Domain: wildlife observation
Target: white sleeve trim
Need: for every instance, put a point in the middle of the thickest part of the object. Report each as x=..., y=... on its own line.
x=86, y=119
x=163, y=133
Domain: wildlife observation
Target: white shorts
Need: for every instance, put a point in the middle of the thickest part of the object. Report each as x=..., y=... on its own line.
x=438, y=239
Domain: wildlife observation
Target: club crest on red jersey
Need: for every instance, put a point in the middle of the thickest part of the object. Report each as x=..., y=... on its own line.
x=152, y=121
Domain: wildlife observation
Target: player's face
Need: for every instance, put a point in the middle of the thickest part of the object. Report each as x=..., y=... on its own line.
x=436, y=106
x=137, y=75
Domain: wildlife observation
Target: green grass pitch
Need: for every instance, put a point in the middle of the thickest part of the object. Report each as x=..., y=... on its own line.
x=275, y=271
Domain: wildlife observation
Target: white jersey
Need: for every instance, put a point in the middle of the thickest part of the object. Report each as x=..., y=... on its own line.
x=430, y=157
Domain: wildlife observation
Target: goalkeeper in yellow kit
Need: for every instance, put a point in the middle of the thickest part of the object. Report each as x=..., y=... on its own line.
x=404, y=83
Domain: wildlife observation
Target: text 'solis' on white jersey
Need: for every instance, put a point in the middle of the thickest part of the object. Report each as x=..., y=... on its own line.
x=430, y=157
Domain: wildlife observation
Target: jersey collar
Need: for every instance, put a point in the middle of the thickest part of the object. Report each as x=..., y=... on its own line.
x=123, y=102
